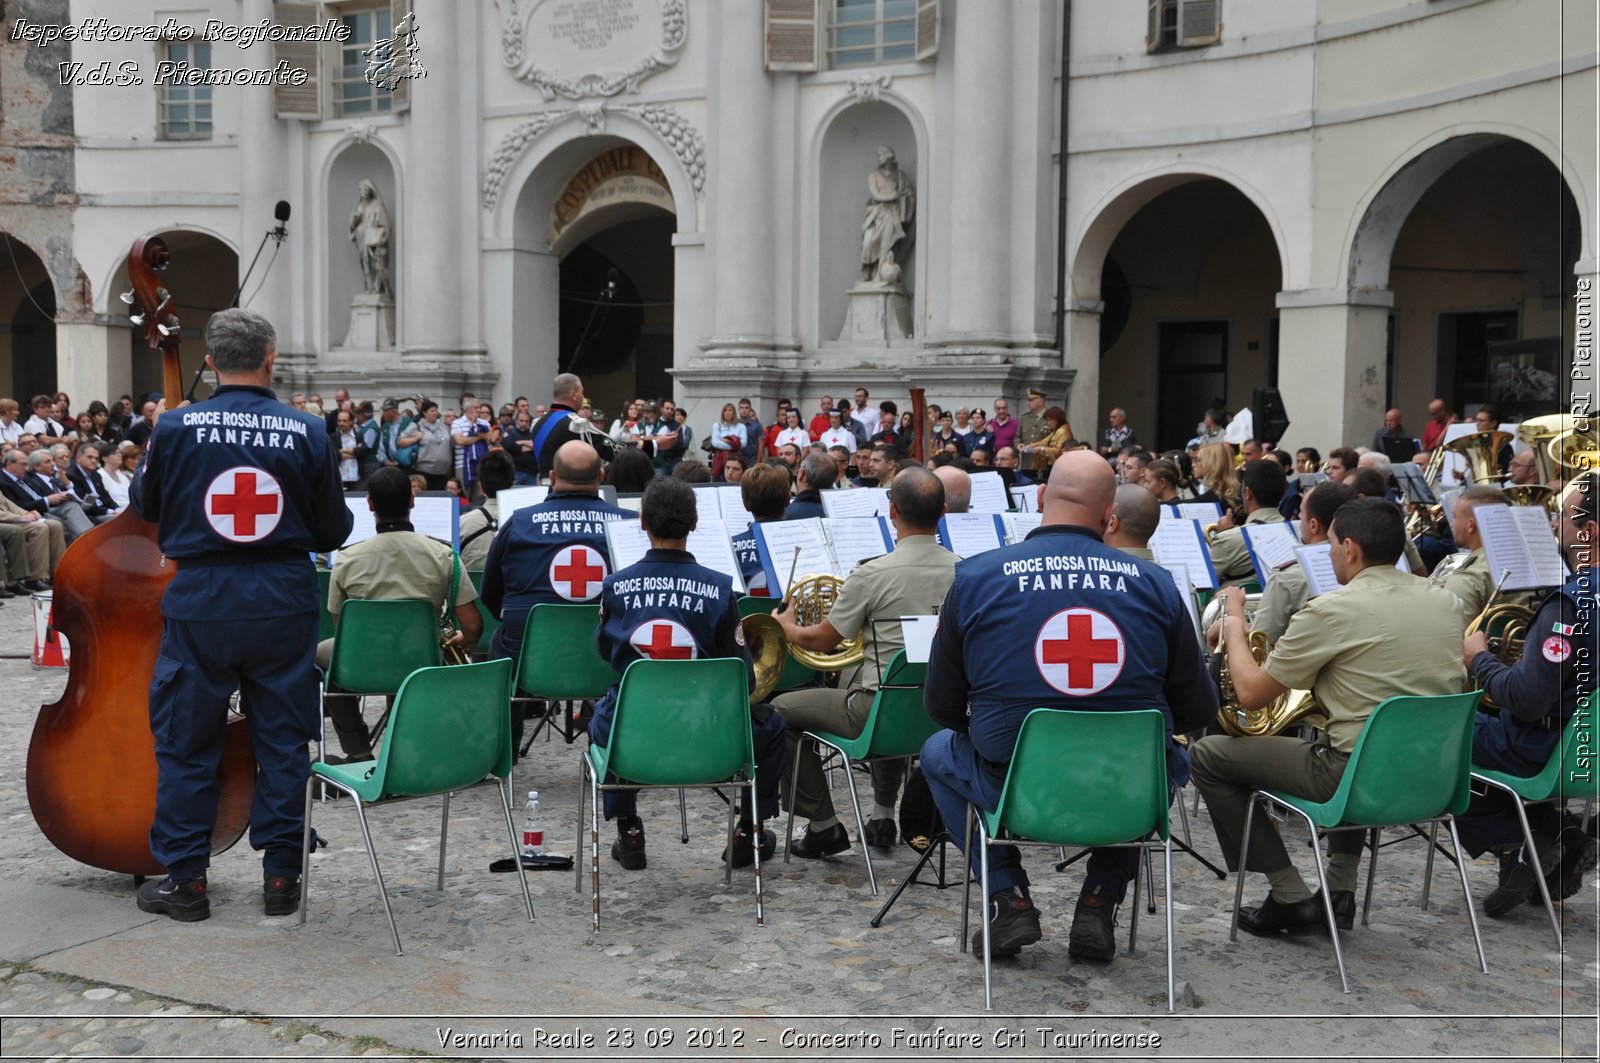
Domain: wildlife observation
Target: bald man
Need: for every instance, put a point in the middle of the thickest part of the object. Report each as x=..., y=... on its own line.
x=1133, y=520
x=957, y=488
x=1104, y=631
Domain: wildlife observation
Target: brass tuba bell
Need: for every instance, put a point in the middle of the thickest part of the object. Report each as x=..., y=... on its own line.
x=763, y=637
x=1482, y=451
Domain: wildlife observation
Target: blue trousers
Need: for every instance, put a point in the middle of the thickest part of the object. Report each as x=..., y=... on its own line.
x=956, y=774
x=1490, y=820
x=271, y=663
x=772, y=756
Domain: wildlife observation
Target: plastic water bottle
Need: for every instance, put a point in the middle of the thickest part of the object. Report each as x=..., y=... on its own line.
x=532, y=827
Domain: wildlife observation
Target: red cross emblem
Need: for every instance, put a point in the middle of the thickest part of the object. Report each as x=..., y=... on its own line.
x=663, y=640
x=244, y=504
x=1079, y=652
x=576, y=573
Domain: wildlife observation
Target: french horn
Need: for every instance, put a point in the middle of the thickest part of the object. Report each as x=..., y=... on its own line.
x=812, y=598
x=1282, y=712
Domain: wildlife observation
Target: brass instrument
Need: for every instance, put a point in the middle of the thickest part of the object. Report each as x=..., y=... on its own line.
x=1482, y=452
x=763, y=637
x=1538, y=433
x=1529, y=495
x=1506, y=624
x=812, y=598
x=450, y=651
x=1282, y=712
x=1574, y=450
x=1435, y=466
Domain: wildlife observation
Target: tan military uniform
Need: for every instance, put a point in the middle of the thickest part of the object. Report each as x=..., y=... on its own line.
x=45, y=540
x=1231, y=556
x=1287, y=591
x=911, y=581
x=1138, y=551
x=1032, y=428
x=478, y=529
x=1471, y=582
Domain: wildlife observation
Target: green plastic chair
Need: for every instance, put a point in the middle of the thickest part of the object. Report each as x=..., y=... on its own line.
x=895, y=729
x=324, y=618
x=676, y=724
x=560, y=661
x=1569, y=774
x=1081, y=779
x=794, y=675
x=376, y=645
x=1410, y=766
x=449, y=730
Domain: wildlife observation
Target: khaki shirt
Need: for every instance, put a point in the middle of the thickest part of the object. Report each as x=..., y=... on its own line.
x=397, y=564
x=1139, y=551
x=1287, y=592
x=1383, y=634
x=475, y=553
x=1471, y=582
x=911, y=581
x=1033, y=428
x=1229, y=553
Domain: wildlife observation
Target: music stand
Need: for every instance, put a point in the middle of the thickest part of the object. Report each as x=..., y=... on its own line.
x=1413, y=485
x=1400, y=449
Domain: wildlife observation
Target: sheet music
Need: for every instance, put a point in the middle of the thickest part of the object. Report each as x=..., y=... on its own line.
x=1270, y=545
x=1025, y=499
x=627, y=542
x=1548, y=567
x=776, y=541
x=730, y=500
x=1018, y=525
x=966, y=534
x=630, y=503
x=856, y=502
x=918, y=632
x=988, y=493
x=1317, y=561
x=856, y=539
x=511, y=499
x=437, y=516
x=1180, y=543
x=1180, y=576
x=1506, y=546
x=1204, y=512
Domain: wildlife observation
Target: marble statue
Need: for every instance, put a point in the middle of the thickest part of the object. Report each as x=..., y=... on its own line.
x=891, y=211
x=369, y=230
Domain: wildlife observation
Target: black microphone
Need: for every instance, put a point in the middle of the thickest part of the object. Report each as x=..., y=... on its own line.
x=281, y=213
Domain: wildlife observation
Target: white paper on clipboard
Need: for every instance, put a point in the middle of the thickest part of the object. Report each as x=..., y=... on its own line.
x=919, y=637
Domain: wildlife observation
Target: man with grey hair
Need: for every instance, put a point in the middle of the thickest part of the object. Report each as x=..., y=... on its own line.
x=957, y=488
x=243, y=488
x=815, y=475
x=562, y=424
x=31, y=484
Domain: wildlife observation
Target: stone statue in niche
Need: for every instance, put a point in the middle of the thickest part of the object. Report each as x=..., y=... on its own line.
x=369, y=230
x=891, y=215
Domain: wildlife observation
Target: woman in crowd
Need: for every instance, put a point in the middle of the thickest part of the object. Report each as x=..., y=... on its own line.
x=1051, y=446
x=632, y=472
x=792, y=432
x=1218, y=480
x=727, y=437
x=625, y=429
x=1162, y=478
x=113, y=475
x=982, y=436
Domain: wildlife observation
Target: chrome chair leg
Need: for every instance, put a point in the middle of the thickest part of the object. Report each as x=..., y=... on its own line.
x=305, y=849
x=1171, y=983
x=1372, y=876
x=988, y=946
x=1427, y=869
x=444, y=837
x=516, y=845
x=683, y=817
x=794, y=785
x=1466, y=891
x=377, y=872
x=1244, y=862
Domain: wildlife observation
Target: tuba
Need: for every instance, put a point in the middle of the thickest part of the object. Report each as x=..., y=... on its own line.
x=1482, y=452
x=1537, y=433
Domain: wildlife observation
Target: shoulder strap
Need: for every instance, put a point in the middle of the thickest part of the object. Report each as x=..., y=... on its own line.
x=489, y=525
x=547, y=426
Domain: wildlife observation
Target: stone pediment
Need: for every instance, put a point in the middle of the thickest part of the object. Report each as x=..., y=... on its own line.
x=581, y=49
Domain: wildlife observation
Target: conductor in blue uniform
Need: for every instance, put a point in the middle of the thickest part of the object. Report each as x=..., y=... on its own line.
x=1061, y=621
x=244, y=488
x=667, y=607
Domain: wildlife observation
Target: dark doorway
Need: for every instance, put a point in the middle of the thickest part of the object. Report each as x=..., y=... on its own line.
x=1192, y=371
x=1464, y=338
x=616, y=311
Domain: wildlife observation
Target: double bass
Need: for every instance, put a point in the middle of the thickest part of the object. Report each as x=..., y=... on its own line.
x=92, y=759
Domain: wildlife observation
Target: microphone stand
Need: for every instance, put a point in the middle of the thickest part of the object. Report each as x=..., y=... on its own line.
x=277, y=233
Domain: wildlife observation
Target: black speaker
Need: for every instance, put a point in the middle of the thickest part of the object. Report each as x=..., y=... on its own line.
x=1272, y=421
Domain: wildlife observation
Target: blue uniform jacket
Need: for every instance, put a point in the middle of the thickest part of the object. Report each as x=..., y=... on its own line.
x=244, y=489
x=744, y=548
x=554, y=553
x=1539, y=693
x=665, y=607
x=1062, y=621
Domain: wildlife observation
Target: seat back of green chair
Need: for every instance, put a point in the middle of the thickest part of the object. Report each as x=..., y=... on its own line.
x=379, y=643
x=898, y=725
x=450, y=727
x=1411, y=761
x=1087, y=778
x=490, y=624
x=681, y=722
x=324, y=618
x=1578, y=772
x=560, y=658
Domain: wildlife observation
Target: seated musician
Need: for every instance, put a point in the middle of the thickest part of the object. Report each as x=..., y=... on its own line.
x=1133, y=521
x=698, y=619
x=397, y=562
x=1537, y=697
x=1467, y=575
x=1263, y=485
x=909, y=581
x=1383, y=633
x=1012, y=640
x=1288, y=590
x=553, y=553
x=764, y=490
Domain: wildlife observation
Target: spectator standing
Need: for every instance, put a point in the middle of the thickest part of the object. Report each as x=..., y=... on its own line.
x=348, y=445
x=1118, y=436
x=981, y=437
x=835, y=434
x=1392, y=431
x=754, y=439
x=668, y=455
x=1004, y=426
x=1439, y=421
x=865, y=415
x=518, y=442
x=792, y=433
x=433, y=449
x=820, y=423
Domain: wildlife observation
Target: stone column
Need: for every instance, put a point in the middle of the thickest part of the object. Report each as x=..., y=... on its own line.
x=1083, y=356
x=1332, y=369
x=91, y=360
x=979, y=252
x=264, y=179
x=429, y=297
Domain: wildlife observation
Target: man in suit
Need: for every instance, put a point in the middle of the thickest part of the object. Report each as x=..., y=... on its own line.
x=83, y=476
x=29, y=482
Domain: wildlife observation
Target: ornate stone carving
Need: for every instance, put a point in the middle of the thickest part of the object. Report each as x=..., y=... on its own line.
x=868, y=88
x=511, y=149
x=364, y=132
x=594, y=115
x=581, y=49
x=684, y=140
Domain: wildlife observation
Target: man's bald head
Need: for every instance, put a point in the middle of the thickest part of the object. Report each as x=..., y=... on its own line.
x=1081, y=490
x=957, y=488
x=576, y=468
x=1138, y=512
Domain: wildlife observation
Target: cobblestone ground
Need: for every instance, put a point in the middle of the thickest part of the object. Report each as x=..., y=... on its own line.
x=678, y=954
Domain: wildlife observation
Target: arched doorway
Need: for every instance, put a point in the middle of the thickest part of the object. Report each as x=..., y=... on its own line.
x=611, y=229
x=203, y=276
x=27, y=323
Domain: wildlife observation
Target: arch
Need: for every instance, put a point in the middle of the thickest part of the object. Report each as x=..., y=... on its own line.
x=352, y=160
x=824, y=316
x=1112, y=212
x=1383, y=210
x=29, y=304
x=109, y=301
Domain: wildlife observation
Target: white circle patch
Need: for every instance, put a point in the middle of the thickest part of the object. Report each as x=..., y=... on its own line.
x=244, y=504
x=1079, y=652
x=1556, y=649
x=664, y=640
x=576, y=573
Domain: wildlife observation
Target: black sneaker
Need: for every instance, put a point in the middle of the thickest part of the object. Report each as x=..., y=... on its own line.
x=881, y=833
x=1013, y=920
x=628, y=849
x=1579, y=855
x=1517, y=879
x=1094, y=935
x=744, y=852
x=184, y=901
x=814, y=844
x=281, y=894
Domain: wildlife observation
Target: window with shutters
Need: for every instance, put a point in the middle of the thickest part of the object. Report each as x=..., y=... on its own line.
x=184, y=109
x=352, y=93
x=1176, y=24
x=872, y=32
